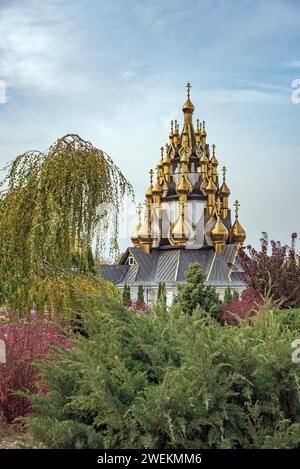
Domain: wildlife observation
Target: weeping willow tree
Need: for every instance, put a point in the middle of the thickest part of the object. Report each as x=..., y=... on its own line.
x=55, y=209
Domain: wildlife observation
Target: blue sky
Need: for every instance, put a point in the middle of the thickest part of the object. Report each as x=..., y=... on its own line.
x=115, y=73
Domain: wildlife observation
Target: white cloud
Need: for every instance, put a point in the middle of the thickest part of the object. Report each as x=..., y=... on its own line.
x=35, y=48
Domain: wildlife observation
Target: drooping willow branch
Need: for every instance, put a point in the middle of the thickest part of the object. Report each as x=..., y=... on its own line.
x=57, y=205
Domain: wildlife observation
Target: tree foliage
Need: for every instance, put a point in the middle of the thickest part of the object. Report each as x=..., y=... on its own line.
x=171, y=381
x=194, y=293
x=126, y=293
x=228, y=296
x=162, y=293
x=141, y=294
x=274, y=270
x=54, y=207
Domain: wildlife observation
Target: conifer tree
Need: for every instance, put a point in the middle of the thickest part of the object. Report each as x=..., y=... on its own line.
x=140, y=295
x=162, y=294
x=194, y=293
x=126, y=293
x=228, y=296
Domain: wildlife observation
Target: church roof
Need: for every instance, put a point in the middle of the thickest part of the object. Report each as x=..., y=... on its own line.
x=170, y=265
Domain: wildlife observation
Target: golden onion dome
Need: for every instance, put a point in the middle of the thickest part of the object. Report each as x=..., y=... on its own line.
x=149, y=191
x=144, y=233
x=238, y=234
x=224, y=190
x=219, y=233
x=184, y=186
x=135, y=237
x=204, y=158
x=211, y=188
x=161, y=161
x=188, y=106
x=214, y=160
x=203, y=133
x=157, y=189
x=181, y=231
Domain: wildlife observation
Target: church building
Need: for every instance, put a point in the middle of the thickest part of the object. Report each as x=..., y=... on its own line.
x=186, y=218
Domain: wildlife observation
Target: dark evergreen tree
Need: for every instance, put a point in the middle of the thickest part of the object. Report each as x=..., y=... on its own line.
x=194, y=293
x=126, y=293
x=140, y=296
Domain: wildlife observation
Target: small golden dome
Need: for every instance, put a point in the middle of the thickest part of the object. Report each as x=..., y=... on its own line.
x=238, y=234
x=224, y=190
x=149, y=191
x=214, y=160
x=184, y=186
x=204, y=158
x=211, y=188
x=157, y=189
x=181, y=231
x=219, y=233
x=188, y=106
x=161, y=161
x=135, y=237
x=144, y=233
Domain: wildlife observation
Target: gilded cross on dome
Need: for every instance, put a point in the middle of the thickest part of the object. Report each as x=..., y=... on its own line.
x=188, y=87
x=151, y=172
x=224, y=171
x=236, y=205
x=139, y=210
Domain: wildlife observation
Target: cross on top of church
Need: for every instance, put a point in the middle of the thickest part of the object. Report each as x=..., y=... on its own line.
x=236, y=205
x=151, y=172
x=188, y=88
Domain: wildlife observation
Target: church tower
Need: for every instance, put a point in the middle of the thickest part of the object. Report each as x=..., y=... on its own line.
x=186, y=217
x=187, y=204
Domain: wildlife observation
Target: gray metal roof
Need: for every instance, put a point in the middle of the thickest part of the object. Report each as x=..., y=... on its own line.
x=169, y=266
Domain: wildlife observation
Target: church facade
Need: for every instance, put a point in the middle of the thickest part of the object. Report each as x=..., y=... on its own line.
x=186, y=218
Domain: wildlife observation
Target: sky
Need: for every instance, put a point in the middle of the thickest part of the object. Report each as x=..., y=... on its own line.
x=114, y=72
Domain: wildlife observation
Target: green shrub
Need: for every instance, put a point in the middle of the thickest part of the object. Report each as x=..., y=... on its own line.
x=171, y=381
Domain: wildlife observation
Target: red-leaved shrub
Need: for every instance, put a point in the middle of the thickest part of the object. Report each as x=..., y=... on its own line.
x=138, y=306
x=25, y=344
x=231, y=313
x=274, y=270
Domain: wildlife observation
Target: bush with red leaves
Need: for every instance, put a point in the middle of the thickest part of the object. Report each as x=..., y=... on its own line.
x=247, y=306
x=274, y=271
x=138, y=306
x=25, y=344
